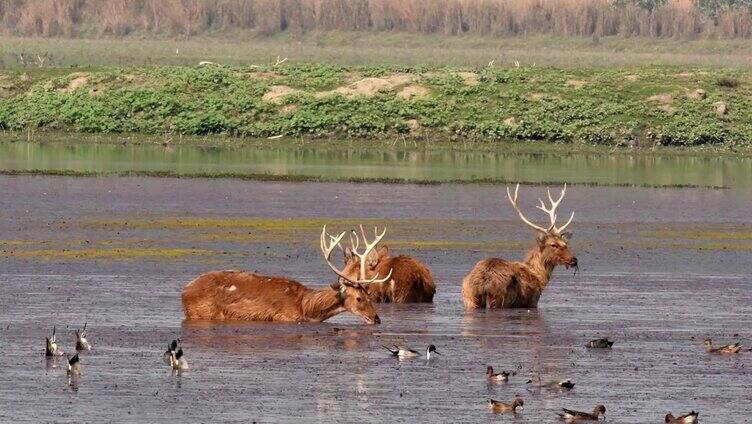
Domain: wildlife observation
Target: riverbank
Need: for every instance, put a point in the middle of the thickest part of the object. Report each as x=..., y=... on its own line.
x=634, y=107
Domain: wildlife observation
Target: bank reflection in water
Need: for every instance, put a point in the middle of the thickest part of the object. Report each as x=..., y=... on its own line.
x=347, y=162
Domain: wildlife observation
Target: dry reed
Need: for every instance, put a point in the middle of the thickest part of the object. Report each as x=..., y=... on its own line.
x=586, y=18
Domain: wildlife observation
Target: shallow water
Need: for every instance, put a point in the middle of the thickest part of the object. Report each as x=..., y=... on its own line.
x=416, y=165
x=661, y=270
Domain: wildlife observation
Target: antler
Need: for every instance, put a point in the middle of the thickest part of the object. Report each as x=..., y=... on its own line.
x=328, y=247
x=354, y=244
x=517, y=208
x=550, y=211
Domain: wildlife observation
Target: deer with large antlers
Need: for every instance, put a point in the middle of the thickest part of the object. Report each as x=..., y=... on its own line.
x=411, y=280
x=237, y=295
x=497, y=283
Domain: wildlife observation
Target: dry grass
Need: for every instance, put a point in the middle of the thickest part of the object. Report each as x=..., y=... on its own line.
x=368, y=48
x=590, y=18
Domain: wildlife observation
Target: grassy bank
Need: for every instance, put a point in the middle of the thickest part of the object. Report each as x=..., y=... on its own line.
x=632, y=107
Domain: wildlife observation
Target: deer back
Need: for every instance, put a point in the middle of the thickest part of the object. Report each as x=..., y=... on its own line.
x=411, y=280
x=235, y=295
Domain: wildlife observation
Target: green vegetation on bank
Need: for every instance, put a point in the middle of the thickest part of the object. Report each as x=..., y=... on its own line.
x=639, y=106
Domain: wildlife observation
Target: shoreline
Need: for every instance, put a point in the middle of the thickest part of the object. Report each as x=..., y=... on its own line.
x=257, y=177
x=226, y=142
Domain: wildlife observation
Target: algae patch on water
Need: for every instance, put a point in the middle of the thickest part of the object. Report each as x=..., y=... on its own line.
x=730, y=234
x=110, y=254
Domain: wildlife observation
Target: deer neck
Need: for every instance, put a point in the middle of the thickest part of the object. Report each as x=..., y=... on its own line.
x=540, y=265
x=322, y=304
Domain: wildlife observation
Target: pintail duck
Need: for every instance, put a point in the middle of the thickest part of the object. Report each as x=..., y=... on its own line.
x=556, y=384
x=573, y=416
x=402, y=352
x=429, y=350
x=74, y=368
x=501, y=377
x=52, y=348
x=727, y=349
x=603, y=343
x=690, y=418
x=500, y=407
x=178, y=362
x=81, y=343
x=170, y=352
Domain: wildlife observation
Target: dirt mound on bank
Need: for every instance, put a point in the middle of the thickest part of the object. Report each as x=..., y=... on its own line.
x=368, y=87
x=277, y=93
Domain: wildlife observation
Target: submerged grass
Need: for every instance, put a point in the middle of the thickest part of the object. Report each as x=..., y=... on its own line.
x=731, y=234
x=110, y=254
x=215, y=238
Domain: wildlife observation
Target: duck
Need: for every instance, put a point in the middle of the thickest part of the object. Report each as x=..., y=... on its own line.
x=556, y=384
x=402, y=352
x=690, y=418
x=81, y=343
x=52, y=348
x=74, y=368
x=727, y=349
x=501, y=377
x=429, y=350
x=178, y=362
x=171, y=348
x=603, y=343
x=500, y=407
x=573, y=416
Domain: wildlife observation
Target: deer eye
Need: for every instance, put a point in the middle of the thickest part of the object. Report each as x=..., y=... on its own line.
x=359, y=299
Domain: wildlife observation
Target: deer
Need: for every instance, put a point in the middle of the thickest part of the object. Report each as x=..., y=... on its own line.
x=411, y=282
x=246, y=296
x=497, y=283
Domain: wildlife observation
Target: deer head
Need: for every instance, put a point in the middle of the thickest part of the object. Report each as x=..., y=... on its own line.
x=351, y=291
x=552, y=241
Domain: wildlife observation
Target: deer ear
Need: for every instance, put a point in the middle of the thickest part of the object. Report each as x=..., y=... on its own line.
x=541, y=239
x=340, y=289
x=566, y=236
x=383, y=251
x=347, y=253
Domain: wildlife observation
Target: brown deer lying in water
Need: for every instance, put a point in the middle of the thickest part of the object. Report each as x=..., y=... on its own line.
x=411, y=280
x=236, y=295
x=497, y=283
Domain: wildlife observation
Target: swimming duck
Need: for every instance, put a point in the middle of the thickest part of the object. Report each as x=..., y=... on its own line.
x=500, y=407
x=52, y=349
x=171, y=348
x=573, y=416
x=429, y=350
x=402, y=352
x=690, y=418
x=556, y=384
x=74, y=368
x=81, y=343
x=493, y=377
x=178, y=362
x=603, y=343
x=727, y=349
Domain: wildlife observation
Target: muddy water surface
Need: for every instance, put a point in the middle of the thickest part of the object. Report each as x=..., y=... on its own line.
x=661, y=270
